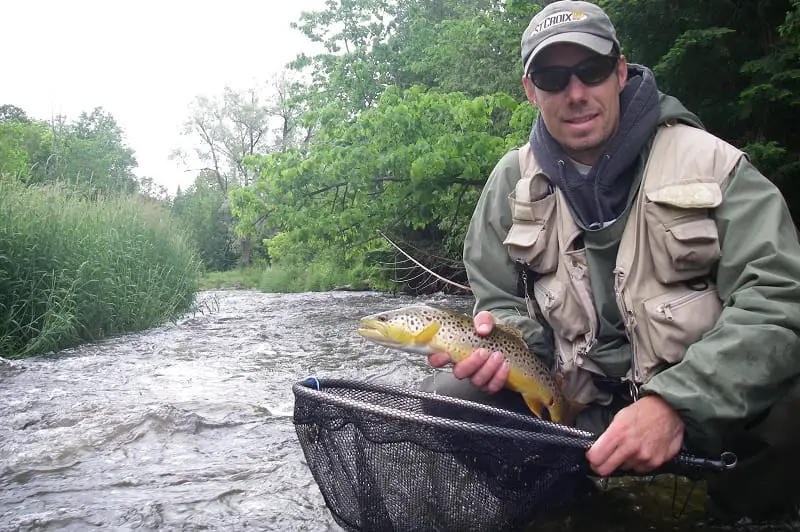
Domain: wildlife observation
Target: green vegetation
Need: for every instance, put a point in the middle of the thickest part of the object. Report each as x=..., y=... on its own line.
x=83, y=253
x=413, y=102
x=392, y=129
x=73, y=269
x=313, y=277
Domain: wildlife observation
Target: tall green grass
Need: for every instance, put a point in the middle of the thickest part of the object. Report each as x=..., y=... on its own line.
x=316, y=276
x=75, y=270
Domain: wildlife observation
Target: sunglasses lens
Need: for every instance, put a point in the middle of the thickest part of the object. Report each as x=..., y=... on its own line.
x=595, y=70
x=551, y=79
x=591, y=72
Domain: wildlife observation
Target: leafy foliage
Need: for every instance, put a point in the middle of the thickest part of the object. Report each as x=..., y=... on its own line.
x=208, y=222
x=412, y=102
x=89, y=154
x=415, y=163
x=735, y=63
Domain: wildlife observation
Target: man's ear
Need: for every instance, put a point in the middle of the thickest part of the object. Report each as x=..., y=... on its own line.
x=622, y=72
x=530, y=90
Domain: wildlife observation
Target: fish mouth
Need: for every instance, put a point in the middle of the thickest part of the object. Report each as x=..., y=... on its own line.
x=375, y=330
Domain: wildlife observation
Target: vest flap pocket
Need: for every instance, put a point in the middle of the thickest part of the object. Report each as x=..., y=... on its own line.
x=703, y=230
x=541, y=209
x=531, y=236
x=693, y=246
x=527, y=241
x=691, y=195
x=684, y=243
x=523, y=234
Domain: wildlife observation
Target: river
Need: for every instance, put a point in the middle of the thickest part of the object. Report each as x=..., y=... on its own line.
x=189, y=426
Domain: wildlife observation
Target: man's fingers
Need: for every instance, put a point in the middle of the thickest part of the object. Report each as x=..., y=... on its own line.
x=470, y=365
x=437, y=360
x=602, y=449
x=487, y=371
x=619, y=456
x=500, y=378
x=640, y=438
x=484, y=322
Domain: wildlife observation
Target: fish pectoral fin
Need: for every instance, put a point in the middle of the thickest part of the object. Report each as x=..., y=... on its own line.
x=427, y=334
x=536, y=406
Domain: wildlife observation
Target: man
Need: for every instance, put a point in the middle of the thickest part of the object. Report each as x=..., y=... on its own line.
x=662, y=268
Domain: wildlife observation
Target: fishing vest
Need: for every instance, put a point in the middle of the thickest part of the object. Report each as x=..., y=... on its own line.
x=662, y=277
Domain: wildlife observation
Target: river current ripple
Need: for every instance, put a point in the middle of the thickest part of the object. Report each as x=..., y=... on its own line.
x=189, y=426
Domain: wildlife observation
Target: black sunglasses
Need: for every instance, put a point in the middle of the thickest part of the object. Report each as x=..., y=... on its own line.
x=592, y=71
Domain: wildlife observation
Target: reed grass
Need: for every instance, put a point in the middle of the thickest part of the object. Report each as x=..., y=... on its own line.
x=74, y=270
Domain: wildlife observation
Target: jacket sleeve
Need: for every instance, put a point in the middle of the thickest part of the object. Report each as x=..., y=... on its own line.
x=491, y=272
x=737, y=371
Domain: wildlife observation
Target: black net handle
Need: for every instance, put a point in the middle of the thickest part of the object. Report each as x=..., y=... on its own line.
x=312, y=387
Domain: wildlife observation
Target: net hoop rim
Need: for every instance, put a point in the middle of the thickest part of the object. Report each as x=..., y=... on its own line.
x=541, y=430
x=569, y=436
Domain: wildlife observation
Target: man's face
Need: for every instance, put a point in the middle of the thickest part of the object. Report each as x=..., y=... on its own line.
x=580, y=117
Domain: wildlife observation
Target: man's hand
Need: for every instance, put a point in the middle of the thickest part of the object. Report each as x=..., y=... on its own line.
x=487, y=371
x=640, y=438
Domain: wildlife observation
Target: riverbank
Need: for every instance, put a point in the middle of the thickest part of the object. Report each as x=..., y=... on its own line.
x=311, y=277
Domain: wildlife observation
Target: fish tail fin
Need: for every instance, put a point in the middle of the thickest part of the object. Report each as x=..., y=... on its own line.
x=534, y=404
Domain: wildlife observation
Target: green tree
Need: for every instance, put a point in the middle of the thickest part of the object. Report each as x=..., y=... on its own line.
x=94, y=154
x=206, y=215
x=89, y=153
x=734, y=63
x=415, y=165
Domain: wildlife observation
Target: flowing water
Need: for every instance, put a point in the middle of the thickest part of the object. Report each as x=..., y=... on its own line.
x=188, y=426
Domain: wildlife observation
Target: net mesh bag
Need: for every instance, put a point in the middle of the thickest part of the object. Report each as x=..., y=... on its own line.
x=392, y=459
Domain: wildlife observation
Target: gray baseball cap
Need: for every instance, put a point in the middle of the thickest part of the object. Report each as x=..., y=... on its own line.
x=568, y=21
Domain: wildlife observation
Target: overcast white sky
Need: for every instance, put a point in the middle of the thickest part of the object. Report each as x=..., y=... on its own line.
x=143, y=61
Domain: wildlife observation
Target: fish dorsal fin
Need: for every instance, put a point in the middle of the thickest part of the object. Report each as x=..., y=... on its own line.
x=427, y=334
x=510, y=330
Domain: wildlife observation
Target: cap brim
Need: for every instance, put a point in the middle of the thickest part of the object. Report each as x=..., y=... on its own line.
x=587, y=40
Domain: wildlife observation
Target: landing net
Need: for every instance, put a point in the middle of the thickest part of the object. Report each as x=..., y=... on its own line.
x=392, y=459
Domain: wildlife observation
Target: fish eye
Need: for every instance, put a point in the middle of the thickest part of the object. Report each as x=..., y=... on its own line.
x=381, y=318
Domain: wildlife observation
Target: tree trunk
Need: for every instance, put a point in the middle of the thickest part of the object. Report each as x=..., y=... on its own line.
x=247, y=246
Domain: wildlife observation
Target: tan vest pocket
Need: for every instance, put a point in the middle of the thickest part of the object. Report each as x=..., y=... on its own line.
x=684, y=242
x=562, y=310
x=675, y=320
x=531, y=236
x=578, y=386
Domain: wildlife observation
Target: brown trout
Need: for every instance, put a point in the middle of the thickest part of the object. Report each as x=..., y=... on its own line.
x=425, y=330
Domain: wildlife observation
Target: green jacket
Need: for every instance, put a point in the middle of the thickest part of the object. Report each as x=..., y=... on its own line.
x=743, y=365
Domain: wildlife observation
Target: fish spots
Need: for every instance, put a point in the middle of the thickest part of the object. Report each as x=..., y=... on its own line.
x=420, y=329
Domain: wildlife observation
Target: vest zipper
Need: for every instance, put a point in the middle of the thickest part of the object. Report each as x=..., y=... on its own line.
x=630, y=322
x=667, y=308
x=542, y=291
x=589, y=309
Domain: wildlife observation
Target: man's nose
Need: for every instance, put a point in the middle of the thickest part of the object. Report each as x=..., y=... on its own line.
x=575, y=89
